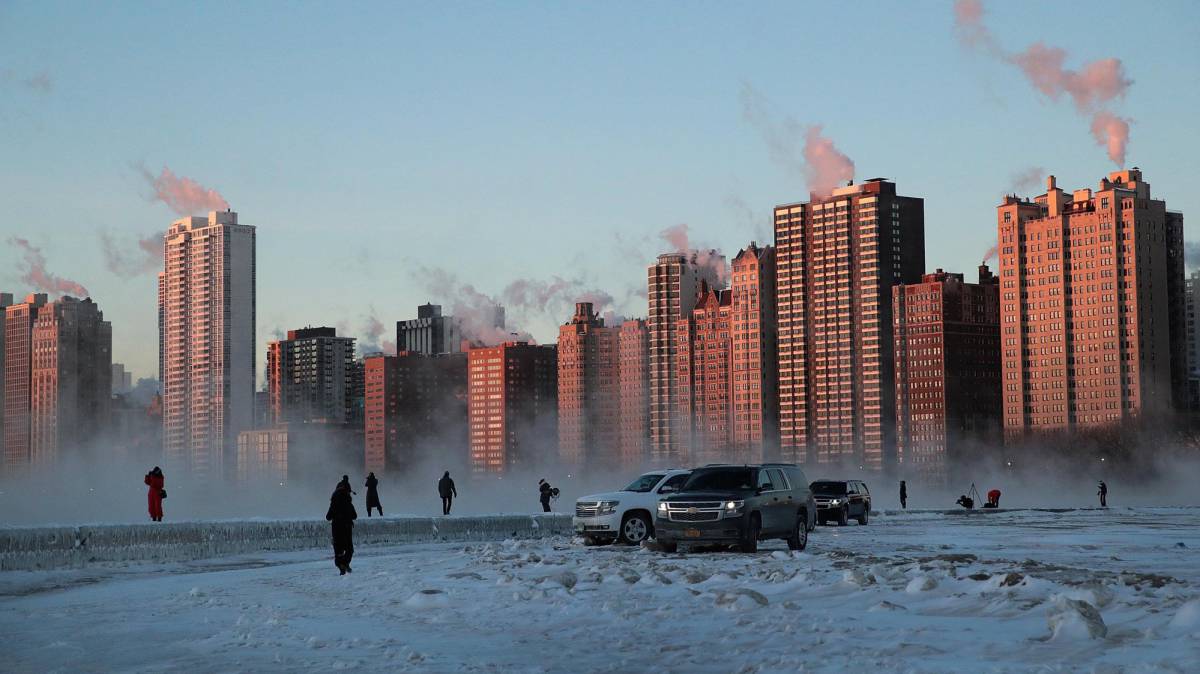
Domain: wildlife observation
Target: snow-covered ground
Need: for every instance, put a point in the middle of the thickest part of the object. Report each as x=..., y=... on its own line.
x=1091, y=590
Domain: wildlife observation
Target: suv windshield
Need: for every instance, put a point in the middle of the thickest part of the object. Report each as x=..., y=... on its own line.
x=831, y=488
x=644, y=483
x=725, y=479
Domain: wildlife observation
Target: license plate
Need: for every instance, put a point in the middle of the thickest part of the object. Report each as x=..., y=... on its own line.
x=691, y=533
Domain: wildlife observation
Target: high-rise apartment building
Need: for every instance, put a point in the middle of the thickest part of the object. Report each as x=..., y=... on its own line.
x=1192, y=323
x=309, y=377
x=512, y=406
x=122, y=379
x=837, y=258
x=71, y=379
x=208, y=341
x=633, y=381
x=6, y=299
x=702, y=374
x=728, y=366
x=754, y=339
x=1092, y=306
x=414, y=410
x=948, y=400
x=430, y=333
x=673, y=284
x=589, y=389
x=18, y=379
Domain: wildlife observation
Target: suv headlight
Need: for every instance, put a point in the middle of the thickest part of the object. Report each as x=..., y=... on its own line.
x=733, y=508
x=607, y=507
x=835, y=501
x=662, y=508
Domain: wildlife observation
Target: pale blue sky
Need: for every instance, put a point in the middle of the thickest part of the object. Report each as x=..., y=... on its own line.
x=507, y=140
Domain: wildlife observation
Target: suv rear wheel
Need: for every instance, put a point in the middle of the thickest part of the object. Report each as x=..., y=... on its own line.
x=799, y=538
x=749, y=541
x=635, y=529
x=862, y=519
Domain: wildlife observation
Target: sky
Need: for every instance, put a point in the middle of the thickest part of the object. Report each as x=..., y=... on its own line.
x=391, y=154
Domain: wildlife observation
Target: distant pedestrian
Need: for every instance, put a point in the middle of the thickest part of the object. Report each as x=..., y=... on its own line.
x=345, y=484
x=342, y=514
x=966, y=502
x=1103, y=493
x=903, y=495
x=373, y=495
x=447, y=491
x=545, y=493
x=993, y=499
x=155, y=495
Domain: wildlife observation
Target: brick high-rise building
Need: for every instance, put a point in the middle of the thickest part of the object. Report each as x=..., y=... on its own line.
x=837, y=258
x=309, y=377
x=512, y=406
x=414, y=410
x=703, y=360
x=207, y=304
x=633, y=376
x=948, y=399
x=728, y=366
x=71, y=379
x=1092, y=306
x=755, y=363
x=673, y=284
x=6, y=299
x=589, y=389
x=430, y=332
x=18, y=379
x=1192, y=323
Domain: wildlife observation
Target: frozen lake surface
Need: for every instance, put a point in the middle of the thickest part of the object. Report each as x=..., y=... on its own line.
x=1088, y=590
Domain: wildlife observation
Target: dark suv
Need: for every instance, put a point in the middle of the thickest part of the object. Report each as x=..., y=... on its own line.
x=738, y=505
x=839, y=500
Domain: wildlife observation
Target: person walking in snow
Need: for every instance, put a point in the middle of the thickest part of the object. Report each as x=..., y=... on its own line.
x=447, y=491
x=342, y=514
x=545, y=492
x=373, y=495
x=156, y=493
x=1103, y=493
x=903, y=495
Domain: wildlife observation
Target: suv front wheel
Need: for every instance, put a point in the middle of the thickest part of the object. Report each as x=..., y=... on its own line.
x=799, y=538
x=635, y=529
x=749, y=541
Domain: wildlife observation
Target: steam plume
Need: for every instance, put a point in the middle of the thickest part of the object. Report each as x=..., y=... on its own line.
x=677, y=237
x=36, y=276
x=373, y=331
x=992, y=253
x=1026, y=180
x=147, y=258
x=1096, y=85
x=38, y=83
x=1191, y=254
x=817, y=159
x=1112, y=132
x=182, y=194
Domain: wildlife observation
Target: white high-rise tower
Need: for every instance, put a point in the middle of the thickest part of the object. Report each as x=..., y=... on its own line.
x=207, y=315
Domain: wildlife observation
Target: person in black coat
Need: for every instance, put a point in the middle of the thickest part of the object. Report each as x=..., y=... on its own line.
x=1103, y=494
x=342, y=514
x=545, y=491
x=373, y=495
x=903, y=495
x=447, y=491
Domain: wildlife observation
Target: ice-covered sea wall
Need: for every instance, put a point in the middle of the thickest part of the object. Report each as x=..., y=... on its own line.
x=24, y=548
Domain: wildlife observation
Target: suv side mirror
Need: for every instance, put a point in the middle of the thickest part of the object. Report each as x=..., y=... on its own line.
x=667, y=489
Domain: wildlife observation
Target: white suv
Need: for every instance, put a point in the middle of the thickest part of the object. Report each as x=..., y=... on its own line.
x=627, y=515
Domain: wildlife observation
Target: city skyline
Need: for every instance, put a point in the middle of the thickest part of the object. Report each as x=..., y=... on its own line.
x=350, y=197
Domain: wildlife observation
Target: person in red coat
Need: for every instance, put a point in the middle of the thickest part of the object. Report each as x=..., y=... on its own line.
x=154, y=479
